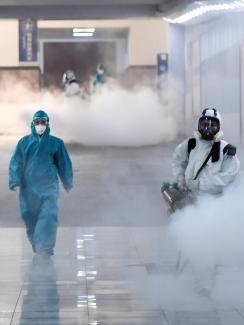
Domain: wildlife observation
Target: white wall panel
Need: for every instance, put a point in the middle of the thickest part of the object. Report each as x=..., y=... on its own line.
x=9, y=43
x=220, y=42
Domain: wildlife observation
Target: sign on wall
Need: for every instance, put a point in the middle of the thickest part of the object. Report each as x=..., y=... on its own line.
x=27, y=40
x=162, y=63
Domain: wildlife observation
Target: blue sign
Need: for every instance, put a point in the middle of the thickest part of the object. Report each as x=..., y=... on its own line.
x=27, y=40
x=162, y=63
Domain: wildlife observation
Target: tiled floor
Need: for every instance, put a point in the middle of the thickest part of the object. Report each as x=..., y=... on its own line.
x=107, y=276
x=115, y=257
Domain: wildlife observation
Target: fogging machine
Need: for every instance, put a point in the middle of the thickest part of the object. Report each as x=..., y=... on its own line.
x=174, y=197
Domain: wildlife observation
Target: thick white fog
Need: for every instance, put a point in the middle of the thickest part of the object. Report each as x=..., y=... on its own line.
x=111, y=116
x=210, y=237
x=210, y=234
x=212, y=230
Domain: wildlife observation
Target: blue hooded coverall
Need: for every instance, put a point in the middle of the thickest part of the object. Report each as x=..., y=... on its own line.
x=34, y=167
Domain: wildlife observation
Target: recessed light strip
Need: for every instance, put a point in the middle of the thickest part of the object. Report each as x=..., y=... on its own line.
x=83, y=30
x=205, y=9
x=83, y=34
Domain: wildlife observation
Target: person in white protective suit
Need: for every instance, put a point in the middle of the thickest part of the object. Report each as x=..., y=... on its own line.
x=71, y=86
x=205, y=163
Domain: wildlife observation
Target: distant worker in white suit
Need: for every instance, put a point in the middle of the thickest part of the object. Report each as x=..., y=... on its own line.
x=71, y=86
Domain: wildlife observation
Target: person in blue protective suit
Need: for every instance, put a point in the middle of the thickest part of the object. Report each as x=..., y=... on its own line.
x=101, y=76
x=37, y=162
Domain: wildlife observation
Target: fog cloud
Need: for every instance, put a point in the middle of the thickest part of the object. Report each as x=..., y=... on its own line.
x=111, y=116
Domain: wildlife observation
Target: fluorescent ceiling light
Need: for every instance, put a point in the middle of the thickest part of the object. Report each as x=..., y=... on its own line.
x=206, y=9
x=83, y=30
x=83, y=34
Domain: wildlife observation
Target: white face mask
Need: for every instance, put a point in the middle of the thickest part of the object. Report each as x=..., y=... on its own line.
x=40, y=129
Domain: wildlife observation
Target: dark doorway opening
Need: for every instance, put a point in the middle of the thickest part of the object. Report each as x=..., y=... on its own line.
x=81, y=57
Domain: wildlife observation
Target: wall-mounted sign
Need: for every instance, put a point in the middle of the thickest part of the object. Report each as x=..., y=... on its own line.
x=27, y=40
x=162, y=63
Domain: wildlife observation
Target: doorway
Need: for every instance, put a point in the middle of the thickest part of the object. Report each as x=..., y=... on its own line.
x=81, y=57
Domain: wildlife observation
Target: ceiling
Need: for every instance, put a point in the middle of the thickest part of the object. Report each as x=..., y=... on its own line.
x=89, y=9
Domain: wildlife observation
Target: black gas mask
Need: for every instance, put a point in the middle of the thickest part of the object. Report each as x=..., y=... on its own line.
x=208, y=127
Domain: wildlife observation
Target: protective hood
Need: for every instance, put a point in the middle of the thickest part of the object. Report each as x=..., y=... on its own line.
x=212, y=112
x=101, y=69
x=68, y=77
x=40, y=115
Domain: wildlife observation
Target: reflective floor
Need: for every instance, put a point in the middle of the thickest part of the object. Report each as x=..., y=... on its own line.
x=115, y=258
x=116, y=275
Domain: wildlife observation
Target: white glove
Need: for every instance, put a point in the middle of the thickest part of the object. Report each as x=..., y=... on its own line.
x=193, y=185
x=181, y=182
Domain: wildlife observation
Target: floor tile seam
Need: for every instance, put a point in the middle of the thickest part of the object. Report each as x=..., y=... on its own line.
x=239, y=313
x=217, y=314
x=164, y=316
x=16, y=304
x=196, y=306
x=135, y=245
x=105, y=228
x=64, y=309
x=60, y=310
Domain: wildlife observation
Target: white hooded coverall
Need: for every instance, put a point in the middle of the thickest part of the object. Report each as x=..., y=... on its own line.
x=215, y=175
x=72, y=89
